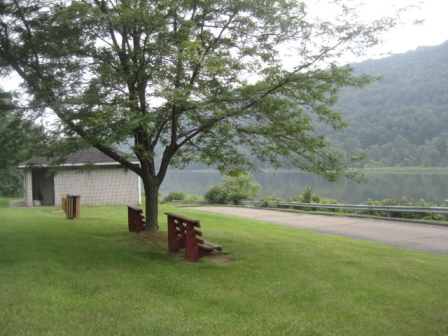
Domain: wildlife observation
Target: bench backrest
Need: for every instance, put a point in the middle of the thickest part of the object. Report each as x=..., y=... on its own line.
x=136, y=220
x=182, y=233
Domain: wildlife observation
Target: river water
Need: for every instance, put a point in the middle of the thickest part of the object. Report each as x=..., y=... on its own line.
x=432, y=187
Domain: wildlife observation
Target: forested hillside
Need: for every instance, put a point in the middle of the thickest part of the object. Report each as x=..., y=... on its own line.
x=401, y=120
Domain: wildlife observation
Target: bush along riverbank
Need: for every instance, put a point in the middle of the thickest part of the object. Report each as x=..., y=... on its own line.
x=311, y=197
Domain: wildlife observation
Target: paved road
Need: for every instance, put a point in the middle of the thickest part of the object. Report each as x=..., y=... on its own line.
x=423, y=237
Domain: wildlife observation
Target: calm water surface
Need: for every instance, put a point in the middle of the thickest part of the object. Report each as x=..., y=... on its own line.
x=433, y=187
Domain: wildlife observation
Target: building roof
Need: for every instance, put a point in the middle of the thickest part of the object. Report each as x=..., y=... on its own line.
x=83, y=157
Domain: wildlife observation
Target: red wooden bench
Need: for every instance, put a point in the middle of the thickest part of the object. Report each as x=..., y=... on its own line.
x=182, y=233
x=136, y=220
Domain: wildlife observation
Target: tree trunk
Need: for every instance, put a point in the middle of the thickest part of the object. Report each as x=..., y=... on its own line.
x=151, y=204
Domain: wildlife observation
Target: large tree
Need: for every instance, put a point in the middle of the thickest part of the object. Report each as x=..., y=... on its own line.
x=20, y=136
x=20, y=139
x=216, y=81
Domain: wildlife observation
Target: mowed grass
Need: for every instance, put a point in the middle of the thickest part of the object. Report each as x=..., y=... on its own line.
x=90, y=276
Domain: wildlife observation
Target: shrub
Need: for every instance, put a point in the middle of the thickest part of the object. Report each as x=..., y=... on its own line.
x=159, y=197
x=175, y=195
x=266, y=199
x=233, y=189
x=403, y=202
x=11, y=181
x=193, y=198
x=297, y=199
x=216, y=195
x=324, y=200
x=240, y=188
x=308, y=196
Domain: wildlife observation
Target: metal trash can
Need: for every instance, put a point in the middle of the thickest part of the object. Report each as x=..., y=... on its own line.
x=73, y=206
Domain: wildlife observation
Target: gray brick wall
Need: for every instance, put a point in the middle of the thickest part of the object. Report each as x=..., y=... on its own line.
x=105, y=185
x=27, y=185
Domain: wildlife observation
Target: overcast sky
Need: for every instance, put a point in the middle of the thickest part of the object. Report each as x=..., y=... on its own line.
x=433, y=31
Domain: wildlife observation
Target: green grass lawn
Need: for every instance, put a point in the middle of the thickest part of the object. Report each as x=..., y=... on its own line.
x=4, y=202
x=90, y=276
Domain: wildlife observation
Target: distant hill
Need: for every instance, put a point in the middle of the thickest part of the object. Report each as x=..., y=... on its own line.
x=402, y=119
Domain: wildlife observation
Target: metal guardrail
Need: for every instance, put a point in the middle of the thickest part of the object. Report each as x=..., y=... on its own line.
x=388, y=209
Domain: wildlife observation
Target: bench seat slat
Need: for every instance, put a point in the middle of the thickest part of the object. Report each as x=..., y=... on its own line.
x=210, y=245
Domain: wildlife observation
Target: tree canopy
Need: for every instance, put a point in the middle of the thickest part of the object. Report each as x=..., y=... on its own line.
x=20, y=138
x=190, y=78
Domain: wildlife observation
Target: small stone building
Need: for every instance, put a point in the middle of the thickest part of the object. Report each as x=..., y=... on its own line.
x=106, y=183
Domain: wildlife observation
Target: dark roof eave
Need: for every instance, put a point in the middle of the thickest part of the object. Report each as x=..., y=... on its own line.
x=68, y=165
x=88, y=156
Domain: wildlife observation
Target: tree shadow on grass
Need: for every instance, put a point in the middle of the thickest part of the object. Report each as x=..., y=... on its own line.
x=154, y=245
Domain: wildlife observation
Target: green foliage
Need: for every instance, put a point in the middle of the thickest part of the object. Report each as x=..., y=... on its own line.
x=404, y=202
x=176, y=195
x=308, y=196
x=432, y=159
x=180, y=196
x=20, y=138
x=324, y=200
x=159, y=197
x=11, y=181
x=401, y=119
x=174, y=76
x=233, y=189
x=264, y=200
x=240, y=188
x=216, y=195
x=193, y=198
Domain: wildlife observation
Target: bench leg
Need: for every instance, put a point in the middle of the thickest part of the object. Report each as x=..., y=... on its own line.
x=192, y=252
x=191, y=242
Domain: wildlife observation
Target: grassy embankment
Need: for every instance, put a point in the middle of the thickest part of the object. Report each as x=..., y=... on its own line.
x=90, y=276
